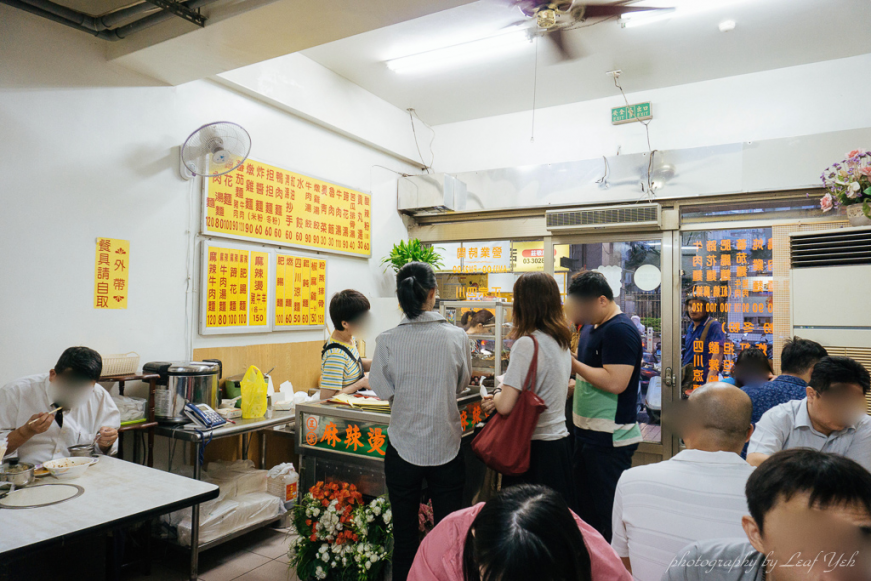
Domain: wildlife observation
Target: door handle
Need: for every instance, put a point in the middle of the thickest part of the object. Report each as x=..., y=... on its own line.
x=669, y=377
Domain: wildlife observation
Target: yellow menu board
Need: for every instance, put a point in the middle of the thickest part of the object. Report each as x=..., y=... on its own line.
x=265, y=203
x=300, y=291
x=110, y=273
x=227, y=280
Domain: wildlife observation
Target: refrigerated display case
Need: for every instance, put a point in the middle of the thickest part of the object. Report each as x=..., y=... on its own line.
x=487, y=360
x=339, y=443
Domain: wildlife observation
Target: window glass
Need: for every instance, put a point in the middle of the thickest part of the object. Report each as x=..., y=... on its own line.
x=727, y=299
x=486, y=270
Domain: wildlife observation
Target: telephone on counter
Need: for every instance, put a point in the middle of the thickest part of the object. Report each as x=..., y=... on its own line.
x=203, y=416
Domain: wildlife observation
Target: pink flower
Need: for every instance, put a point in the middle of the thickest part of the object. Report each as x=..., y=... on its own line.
x=865, y=171
x=856, y=152
x=827, y=202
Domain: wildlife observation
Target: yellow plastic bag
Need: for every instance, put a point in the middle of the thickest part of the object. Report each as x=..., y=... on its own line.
x=253, y=394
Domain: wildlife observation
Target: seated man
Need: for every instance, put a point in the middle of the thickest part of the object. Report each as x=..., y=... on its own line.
x=35, y=433
x=797, y=361
x=810, y=519
x=831, y=418
x=342, y=369
x=698, y=494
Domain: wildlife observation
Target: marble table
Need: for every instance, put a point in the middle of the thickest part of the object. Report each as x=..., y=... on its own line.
x=116, y=494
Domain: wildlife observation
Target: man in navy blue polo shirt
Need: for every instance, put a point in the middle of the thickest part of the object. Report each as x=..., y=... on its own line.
x=703, y=343
x=797, y=361
x=607, y=368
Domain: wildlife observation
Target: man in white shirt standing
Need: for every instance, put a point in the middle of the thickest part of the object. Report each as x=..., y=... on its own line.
x=698, y=494
x=36, y=434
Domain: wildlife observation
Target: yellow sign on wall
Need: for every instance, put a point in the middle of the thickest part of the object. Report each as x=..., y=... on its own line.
x=227, y=283
x=258, y=304
x=110, y=274
x=300, y=291
x=265, y=203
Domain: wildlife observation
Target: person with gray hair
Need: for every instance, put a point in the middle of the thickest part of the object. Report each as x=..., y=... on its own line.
x=696, y=495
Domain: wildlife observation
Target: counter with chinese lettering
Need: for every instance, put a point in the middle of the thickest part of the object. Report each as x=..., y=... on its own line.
x=338, y=442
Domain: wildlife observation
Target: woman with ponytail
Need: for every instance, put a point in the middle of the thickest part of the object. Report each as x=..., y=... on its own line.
x=421, y=366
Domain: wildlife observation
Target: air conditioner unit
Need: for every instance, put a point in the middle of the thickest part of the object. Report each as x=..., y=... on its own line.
x=829, y=280
x=431, y=193
x=629, y=216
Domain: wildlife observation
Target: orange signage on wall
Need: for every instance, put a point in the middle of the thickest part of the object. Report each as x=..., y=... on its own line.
x=110, y=274
x=227, y=284
x=300, y=291
x=265, y=203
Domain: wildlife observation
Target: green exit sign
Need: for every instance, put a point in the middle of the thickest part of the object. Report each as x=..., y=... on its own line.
x=630, y=113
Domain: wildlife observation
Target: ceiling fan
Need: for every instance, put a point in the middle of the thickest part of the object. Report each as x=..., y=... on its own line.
x=552, y=19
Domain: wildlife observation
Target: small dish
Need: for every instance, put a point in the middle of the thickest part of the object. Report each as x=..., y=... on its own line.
x=68, y=468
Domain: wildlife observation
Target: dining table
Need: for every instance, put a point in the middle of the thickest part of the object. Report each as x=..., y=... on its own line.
x=112, y=494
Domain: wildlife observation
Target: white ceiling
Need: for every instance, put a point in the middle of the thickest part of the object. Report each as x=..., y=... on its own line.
x=770, y=34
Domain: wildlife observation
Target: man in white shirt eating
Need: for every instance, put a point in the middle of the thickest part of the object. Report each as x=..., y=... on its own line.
x=35, y=433
x=697, y=495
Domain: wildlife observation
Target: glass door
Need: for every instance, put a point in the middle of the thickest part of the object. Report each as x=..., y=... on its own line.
x=639, y=270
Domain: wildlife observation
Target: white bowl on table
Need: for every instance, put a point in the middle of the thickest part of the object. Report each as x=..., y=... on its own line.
x=68, y=468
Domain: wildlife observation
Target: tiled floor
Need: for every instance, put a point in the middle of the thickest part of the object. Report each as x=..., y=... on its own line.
x=257, y=556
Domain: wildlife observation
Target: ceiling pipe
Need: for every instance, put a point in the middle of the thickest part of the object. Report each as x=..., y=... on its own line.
x=55, y=18
x=73, y=16
x=151, y=20
x=113, y=18
x=99, y=26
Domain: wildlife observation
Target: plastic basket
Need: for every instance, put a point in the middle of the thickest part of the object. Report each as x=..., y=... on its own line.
x=122, y=364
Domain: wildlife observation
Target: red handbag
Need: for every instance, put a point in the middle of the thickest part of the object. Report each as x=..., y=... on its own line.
x=504, y=443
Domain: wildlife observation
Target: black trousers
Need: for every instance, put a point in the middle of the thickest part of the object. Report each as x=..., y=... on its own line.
x=405, y=486
x=550, y=464
x=597, y=470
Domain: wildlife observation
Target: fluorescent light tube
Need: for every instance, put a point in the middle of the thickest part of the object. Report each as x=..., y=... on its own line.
x=462, y=54
x=678, y=8
x=633, y=19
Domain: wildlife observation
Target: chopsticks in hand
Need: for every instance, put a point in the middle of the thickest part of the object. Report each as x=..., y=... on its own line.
x=54, y=411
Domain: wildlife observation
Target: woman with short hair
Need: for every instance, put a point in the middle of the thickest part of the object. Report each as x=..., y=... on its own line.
x=342, y=368
x=421, y=366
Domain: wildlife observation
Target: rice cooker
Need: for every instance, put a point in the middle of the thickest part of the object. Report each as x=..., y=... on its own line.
x=181, y=383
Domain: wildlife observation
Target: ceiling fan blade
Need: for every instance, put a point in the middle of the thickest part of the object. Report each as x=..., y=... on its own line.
x=565, y=50
x=600, y=10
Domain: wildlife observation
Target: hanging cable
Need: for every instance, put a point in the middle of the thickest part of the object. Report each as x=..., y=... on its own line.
x=534, y=89
x=603, y=181
x=431, y=139
x=646, y=124
x=411, y=116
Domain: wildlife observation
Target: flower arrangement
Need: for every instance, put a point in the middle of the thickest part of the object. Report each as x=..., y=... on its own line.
x=425, y=519
x=341, y=538
x=848, y=182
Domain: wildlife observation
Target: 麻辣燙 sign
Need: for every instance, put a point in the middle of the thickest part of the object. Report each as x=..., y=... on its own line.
x=110, y=273
x=265, y=203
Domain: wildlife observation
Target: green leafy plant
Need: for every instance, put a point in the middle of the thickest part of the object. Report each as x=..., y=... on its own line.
x=402, y=253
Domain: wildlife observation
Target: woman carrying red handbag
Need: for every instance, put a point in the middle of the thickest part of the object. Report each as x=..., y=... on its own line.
x=540, y=352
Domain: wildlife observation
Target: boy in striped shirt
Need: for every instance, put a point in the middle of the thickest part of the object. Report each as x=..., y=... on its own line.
x=342, y=368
